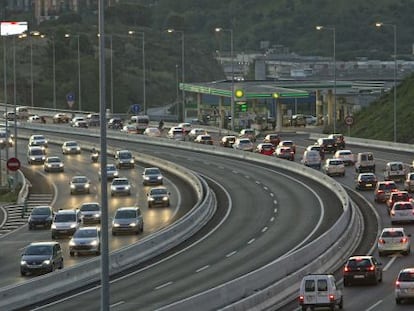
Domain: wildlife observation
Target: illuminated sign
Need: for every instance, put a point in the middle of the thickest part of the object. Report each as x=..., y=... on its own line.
x=12, y=28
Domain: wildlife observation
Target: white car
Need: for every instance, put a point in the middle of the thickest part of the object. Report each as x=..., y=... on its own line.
x=34, y=119
x=195, y=132
x=76, y=119
x=402, y=212
x=345, y=155
x=120, y=186
x=243, y=144
x=334, y=167
x=404, y=285
x=186, y=127
x=152, y=132
x=393, y=240
x=53, y=164
x=71, y=147
x=176, y=133
x=38, y=140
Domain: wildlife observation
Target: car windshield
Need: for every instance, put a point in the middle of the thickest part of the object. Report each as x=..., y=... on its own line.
x=388, y=186
x=367, y=177
x=39, y=250
x=406, y=277
x=327, y=141
x=267, y=147
x=402, y=206
x=79, y=180
x=111, y=167
x=396, y=167
x=357, y=263
x=65, y=218
x=400, y=197
x=39, y=137
x=205, y=138
x=41, y=211
x=89, y=208
x=36, y=152
x=158, y=191
x=71, y=144
x=345, y=153
x=334, y=162
x=53, y=160
x=126, y=214
x=125, y=155
x=287, y=143
x=118, y=182
x=392, y=234
x=85, y=233
x=152, y=171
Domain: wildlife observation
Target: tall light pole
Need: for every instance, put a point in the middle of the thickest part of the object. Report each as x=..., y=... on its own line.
x=334, y=68
x=54, y=71
x=144, y=95
x=182, y=69
x=394, y=26
x=79, y=70
x=111, y=73
x=218, y=29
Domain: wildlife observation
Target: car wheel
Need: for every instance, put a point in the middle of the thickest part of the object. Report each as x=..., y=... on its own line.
x=22, y=273
x=341, y=303
x=61, y=264
x=398, y=301
x=72, y=254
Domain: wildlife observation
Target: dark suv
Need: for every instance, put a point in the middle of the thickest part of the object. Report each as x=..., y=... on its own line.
x=41, y=216
x=362, y=269
x=327, y=144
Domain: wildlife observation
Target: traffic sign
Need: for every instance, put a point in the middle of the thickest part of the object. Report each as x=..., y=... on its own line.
x=349, y=120
x=135, y=108
x=13, y=164
x=70, y=99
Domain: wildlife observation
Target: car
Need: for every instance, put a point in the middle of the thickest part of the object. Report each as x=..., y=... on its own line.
x=186, y=127
x=404, y=285
x=38, y=140
x=71, y=147
x=111, y=172
x=248, y=133
x=397, y=196
x=265, y=148
x=365, y=162
x=34, y=119
x=298, y=120
x=6, y=139
x=365, y=181
x=41, y=257
x=65, y=223
x=115, y=123
x=319, y=291
x=273, y=138
x=346, y=155
x=176, y=133
x=311, y=120
x=40, y=216
x=85, y=240
x=9, y=115
x=90, y=212
x=80, y=123
x=158, y=196
x=53, y=164
x=288, y=143
x=409, y=182
x=61, y=118
x=124, y=158
x=36, y=155
x=365, y=269
x=312, y=158
x=402, y=212
x=152, y=132
x=394, y=171
x=328, y=144
x=93, y=119
x=339, y=140
x=227, y=141
x=127, y=220
x=76, y=119
x=318, y=148
x=205, y=139
x=152, y=176
x=80, y=184
x=243, y=144
x=334, y=167
x=393, y=240
x=195, y=132
x=120, y=186
x=383, y=190
x=130, y=129
x=285, y=152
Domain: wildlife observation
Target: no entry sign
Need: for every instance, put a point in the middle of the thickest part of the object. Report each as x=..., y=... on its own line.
x=13, y=164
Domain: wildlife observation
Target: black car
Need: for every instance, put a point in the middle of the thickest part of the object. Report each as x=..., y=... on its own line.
x=366, y=181
x=362, y=269
x=41, y=257
x=115, y=123
x=328, y=144
x=41, y=216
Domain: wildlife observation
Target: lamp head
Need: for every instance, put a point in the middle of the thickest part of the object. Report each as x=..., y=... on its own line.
x=379, y=24
x=319, y=27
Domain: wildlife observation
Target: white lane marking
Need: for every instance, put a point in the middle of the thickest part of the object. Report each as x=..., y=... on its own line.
x=203, y=268
x=235, y=172
x=275, y=210
x=247, y=176
x=257, y=182
x=275, y=202
x=163, y=285
x=265, y=188
x=116, y=304
x=221, y=167
x=272, y=194
x=264, y=229
x=251, y=241
x=231, y=254
x=272, y=219
x=389, y=263
x=374, y=305
x=3, y=210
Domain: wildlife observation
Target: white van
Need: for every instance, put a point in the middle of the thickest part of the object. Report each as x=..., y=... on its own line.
x=319, y=290
x=312, y=158
x=142, y=123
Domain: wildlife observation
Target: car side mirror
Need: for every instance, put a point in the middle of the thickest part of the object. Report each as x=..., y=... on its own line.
x=409, y=234
x=169, y=193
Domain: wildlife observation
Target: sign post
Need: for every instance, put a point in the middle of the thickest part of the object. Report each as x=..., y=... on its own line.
x=135, y=108
x=349, y=120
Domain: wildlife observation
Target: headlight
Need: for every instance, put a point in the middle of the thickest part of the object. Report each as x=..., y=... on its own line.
x=60, y=164
x=97, y=215
x=131, y=161
x=159, y=177
x=94, y=242
x=53, y=226
x=72, y=226
x=72, y=186
x=132, y=224
x=165, y=198
x=78, y=148
x=46, y=262
x=33, y=158
x=146, y=177
x=115, y=225
x=150, y=199
x=23, y=262
x=127, y=187
x=43, y=158
x=116, y=174
x=86, y=185
x=71, y=243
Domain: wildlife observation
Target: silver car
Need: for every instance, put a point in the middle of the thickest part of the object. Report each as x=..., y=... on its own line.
x=79, y=184
x=334, y=167
x=120, y=186
x=85, y=240
x=243, y=144
x=404, y=285
x=65, y=223
x=53, y=164
x=127, y=220
x=393, y=240
x=71, y=147
x=90, y=212
x=152, y=176
x=111, y=172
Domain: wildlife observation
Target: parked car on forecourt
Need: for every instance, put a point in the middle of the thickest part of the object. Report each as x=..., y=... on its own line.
x=366, y=181
x=227, y=141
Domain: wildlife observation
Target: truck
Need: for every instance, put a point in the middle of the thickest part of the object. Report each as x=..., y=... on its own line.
x=141, y=121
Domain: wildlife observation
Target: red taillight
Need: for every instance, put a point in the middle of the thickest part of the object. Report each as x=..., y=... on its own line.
x=380, y=191
x=381, y=241
x=392, y=213
x=397, y=284
x=404, y=240
x=371, y=268
x=331, y=297
x=346, y=269
x=301, y=299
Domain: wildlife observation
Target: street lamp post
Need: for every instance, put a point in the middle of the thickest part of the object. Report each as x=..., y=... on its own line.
x=232, y=75
x=394, y=26
x=182, y=70
x=144, y=95
x=334, y=68
x=112, y=74
x=54, y=71
x=79, y=69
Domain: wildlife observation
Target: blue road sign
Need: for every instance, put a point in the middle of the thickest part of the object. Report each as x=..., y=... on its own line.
x=135, y=108
x=70, y=97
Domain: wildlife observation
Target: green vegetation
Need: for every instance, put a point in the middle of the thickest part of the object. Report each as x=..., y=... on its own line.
x=7, y=196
